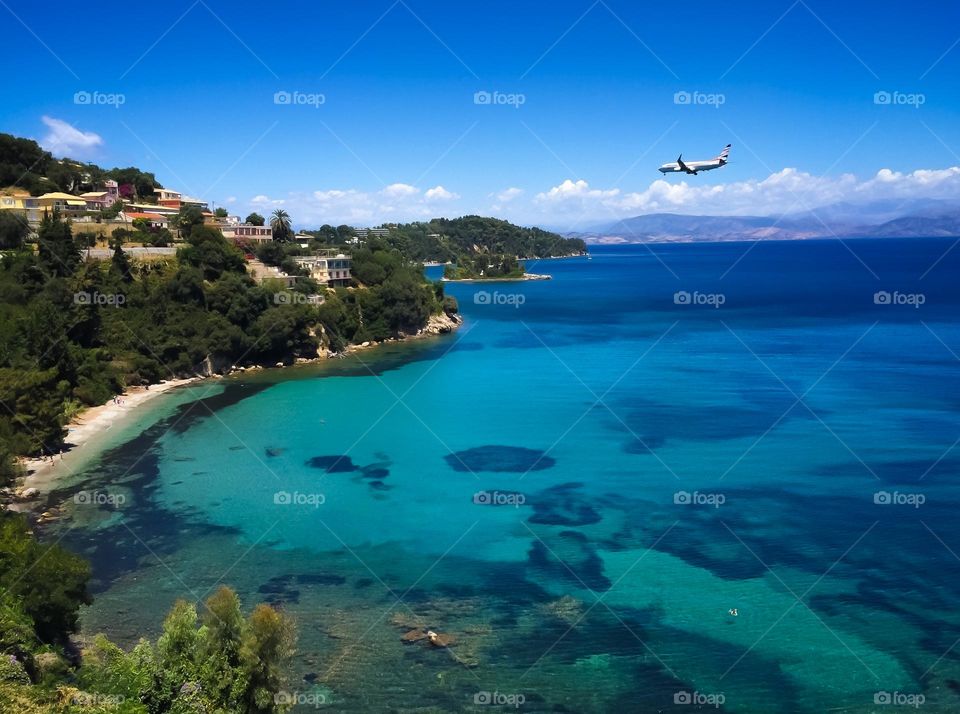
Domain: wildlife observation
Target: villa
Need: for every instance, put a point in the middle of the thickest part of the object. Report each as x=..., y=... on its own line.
x=330, y=268
x=246, y=233
x=64, y=203
x=176, y=200
x=23, y=204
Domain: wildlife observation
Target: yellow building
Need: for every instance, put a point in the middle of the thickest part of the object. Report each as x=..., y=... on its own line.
x=23, y=204
x=62, y=202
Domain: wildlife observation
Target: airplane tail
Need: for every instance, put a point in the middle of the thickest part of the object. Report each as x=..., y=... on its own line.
x=724, y=154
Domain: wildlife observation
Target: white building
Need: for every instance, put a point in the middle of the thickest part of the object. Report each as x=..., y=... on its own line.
x=331, y=269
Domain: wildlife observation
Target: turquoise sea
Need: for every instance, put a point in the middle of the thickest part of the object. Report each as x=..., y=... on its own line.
x=577, y=488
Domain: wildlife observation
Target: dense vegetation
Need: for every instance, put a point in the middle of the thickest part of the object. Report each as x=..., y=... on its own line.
x=24, y=164
x=213, y=661
x=485, y=266
x=73, y=333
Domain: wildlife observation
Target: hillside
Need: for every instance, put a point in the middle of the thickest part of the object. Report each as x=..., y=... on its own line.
x=449, y=239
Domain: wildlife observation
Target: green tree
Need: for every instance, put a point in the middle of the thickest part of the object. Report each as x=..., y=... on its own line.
x=280, y=222
x=255, y=219
x=48, y=581
x=58, y=253
x=189, y=218
x=120, y=264
x=14, y=230
x=221, y=212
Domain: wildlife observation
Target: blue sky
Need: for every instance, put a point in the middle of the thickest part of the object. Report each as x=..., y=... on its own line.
x=589, y=106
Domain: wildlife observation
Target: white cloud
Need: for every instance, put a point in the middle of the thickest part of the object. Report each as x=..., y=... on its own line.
x=508, y=194
x=439, y=193
x=230, y=199
x=262, y=201
x=788, y=190
x=400, y=189
x=64, y=139
x=396, y=202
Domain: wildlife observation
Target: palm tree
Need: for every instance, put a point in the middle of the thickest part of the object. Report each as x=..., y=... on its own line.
x=280, y=222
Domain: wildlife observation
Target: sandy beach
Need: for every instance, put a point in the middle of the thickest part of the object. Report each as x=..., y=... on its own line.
x=88, y=424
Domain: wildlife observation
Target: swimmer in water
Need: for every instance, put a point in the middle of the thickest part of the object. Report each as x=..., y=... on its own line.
x=733, y=611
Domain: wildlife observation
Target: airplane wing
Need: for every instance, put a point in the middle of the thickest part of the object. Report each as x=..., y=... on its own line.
x=683, y=166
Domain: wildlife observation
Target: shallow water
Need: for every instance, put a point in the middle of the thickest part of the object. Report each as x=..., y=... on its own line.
x=578, y=486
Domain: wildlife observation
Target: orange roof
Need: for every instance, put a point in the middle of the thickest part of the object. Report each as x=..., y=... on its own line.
x=148, y=216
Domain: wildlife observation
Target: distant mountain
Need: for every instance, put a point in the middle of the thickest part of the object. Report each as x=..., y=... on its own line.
x=877, y=219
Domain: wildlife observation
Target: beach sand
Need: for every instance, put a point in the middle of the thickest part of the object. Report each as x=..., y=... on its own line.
x=86, y=426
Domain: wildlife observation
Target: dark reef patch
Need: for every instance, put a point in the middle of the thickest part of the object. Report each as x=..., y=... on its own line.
x=569, y=557
x=562, y=505
x=333, y=464
x=500, y=459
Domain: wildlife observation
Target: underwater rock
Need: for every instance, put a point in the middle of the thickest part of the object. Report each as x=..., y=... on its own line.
x=500, y=459
x=332, y=464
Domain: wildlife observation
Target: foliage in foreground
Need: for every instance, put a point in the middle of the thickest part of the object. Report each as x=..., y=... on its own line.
x=213, y=661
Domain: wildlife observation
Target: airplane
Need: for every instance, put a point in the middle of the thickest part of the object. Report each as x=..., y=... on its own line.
x=693, y=167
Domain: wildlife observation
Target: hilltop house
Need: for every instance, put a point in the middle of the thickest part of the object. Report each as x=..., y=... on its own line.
x=330, y=268
x=246, y=233
x=154, y=220
x=65, y=203
x=176, y=200
x=23, y=204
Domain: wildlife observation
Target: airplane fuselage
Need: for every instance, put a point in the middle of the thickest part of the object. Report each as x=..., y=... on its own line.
x=693, y=167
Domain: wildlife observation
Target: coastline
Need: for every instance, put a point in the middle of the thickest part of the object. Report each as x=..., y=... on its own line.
x=93, y=422
x=524, y=278
x=85, y=427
